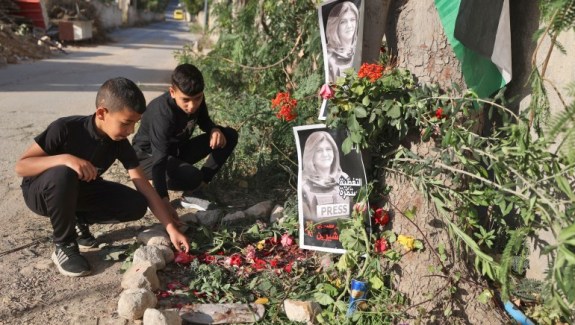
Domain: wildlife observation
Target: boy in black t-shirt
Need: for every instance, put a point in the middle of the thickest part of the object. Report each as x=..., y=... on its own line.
x=165, y=146
x=62, y=175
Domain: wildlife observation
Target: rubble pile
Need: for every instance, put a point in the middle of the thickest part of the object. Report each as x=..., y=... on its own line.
x=15, y=47
x=16, y=40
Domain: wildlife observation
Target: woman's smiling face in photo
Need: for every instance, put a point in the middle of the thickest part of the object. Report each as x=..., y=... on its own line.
x=323, y=155
x=346, y=27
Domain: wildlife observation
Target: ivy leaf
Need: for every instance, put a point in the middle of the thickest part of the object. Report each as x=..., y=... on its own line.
x=394, y=112
x=323, y=298
x=347, y=145
x=366, y=101
x=375, y=282
x=355, y=137
x=361, y=112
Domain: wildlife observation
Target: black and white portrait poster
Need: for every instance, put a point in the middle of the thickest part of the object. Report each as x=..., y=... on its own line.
x=341, y=29
x=328, y=183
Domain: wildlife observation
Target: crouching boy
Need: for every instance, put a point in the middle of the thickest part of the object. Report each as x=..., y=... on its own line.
x=62, y=176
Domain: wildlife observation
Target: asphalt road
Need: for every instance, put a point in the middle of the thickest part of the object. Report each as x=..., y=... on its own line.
x=32, y=94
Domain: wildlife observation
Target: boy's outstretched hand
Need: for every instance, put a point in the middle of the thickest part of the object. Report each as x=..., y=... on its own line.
x=178, y=239
x=217, y=139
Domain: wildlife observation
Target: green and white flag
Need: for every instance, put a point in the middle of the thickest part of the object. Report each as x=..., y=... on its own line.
x=480, y=34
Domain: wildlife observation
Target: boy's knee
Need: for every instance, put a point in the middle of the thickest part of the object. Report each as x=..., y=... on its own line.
x=231, y=137
x=139, y=207
x=63, y=172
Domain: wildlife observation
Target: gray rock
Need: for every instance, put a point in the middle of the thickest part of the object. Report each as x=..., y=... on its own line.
x=141, y=275
x=168, y=253
x=277, y=214
x=222, y=313
x=237, y=216
x=153, y=236
x=301, y=311
x=162, y=317
x=261, y=210
x=134, y=302
x=152, y=254
x=209, y=218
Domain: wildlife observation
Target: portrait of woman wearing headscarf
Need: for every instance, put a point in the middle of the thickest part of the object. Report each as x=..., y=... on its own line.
x=341, y=38
x=321, y=173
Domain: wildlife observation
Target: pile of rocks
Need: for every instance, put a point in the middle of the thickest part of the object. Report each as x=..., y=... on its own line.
x=138, y=300
x=139, y=282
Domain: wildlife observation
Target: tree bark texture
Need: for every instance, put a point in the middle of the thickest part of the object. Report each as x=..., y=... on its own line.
x=414, y=34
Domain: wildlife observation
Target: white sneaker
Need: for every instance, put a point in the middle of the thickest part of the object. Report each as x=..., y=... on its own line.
x=196, y=200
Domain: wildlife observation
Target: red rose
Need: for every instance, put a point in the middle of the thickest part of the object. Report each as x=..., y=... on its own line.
x=381, y=245
x=381, y=216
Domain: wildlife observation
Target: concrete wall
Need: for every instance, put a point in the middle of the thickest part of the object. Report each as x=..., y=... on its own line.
x=110, y=15
x=122, y=14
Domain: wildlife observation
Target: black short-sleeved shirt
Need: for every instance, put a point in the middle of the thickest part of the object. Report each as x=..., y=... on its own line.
x=76, y=135
x=163, y=130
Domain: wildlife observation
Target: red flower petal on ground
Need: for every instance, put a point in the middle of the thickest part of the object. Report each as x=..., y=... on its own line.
x=184, y=258
x=286, y=240
x=235, y=260
x=274, y=263
x=174, y=285
x=272, y=241
x=162, y=294
x=288, y=267
x=381, y=216
x=207, y=258
x=439, y=113
x=259, y=264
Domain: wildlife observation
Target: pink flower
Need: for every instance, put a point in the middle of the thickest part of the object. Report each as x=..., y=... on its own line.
x=287, y=240
x=250, y=252
x=326, y=92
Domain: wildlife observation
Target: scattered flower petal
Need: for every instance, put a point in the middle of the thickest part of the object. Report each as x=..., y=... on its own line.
x=184, y=258
x=287, y=240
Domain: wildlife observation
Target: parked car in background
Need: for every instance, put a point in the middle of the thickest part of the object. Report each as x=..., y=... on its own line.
x=178, y=14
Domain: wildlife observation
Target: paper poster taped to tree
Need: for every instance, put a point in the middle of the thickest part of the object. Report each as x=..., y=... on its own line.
x=328, y=184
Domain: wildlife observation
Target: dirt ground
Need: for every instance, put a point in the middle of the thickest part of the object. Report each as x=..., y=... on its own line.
x=33, y=94
x=34, y=292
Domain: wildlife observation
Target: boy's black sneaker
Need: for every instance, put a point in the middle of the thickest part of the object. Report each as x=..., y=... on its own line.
x=69, y=261
x=196, y=200
x=85, y=238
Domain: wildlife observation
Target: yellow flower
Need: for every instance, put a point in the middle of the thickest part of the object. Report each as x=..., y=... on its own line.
x=261, y=244
x=262, y=301
x=408, y=242
x=336, y=282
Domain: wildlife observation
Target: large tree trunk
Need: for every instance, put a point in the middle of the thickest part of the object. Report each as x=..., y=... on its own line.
x=414, y=33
